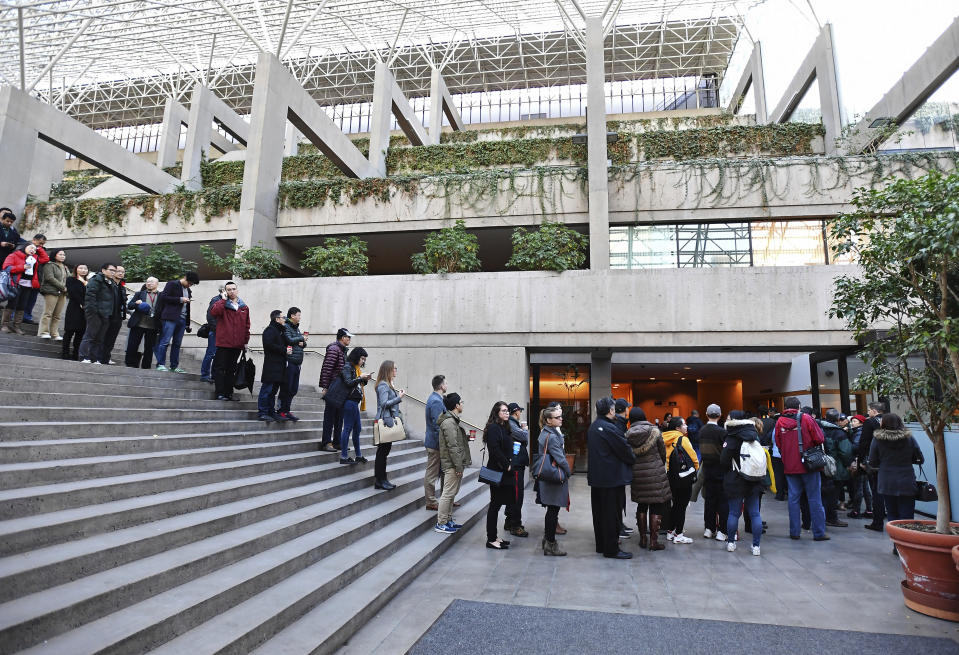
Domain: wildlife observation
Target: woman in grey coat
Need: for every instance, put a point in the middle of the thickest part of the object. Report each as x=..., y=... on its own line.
x=388, y=399
x=552, y=495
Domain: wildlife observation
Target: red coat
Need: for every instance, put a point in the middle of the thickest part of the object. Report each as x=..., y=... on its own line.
x=788, y=442
x=232, y=325
x=17, y=261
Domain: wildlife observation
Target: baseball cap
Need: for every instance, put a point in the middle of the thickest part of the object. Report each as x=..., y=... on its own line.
x=622, y=405
x=714, y=410
x=343, y=332
x=512, y=407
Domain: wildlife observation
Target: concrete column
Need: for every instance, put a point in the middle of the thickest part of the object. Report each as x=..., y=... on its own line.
x=174, y=115
x=828, y=81
x=199, y=130
x=47, y=170
x=18, y=143
x=382, y=112
x=597, y=156
x=600, y=378
x=441, y=102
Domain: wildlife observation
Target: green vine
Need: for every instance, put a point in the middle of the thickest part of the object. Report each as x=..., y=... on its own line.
x=776, y=140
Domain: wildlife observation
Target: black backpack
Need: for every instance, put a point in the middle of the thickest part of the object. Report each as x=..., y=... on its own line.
x=681, y=464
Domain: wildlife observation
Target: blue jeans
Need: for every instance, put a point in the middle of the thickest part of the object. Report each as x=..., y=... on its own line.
x=351, y=424
x=289, y=387
x=736, y=509
x=171, y=334
x=206, y=368
x=266, y=402
x=810, y=483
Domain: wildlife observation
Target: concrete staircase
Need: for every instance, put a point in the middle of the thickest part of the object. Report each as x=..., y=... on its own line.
x=137, y=514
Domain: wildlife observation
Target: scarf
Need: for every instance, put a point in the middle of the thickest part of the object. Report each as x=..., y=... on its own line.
x=362, y=392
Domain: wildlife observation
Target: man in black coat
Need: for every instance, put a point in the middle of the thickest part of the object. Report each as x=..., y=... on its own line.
x=116, y=319
x=610, y=461
x=98, y=306
x=865, y=441
x=715, y=504
x=274, y=367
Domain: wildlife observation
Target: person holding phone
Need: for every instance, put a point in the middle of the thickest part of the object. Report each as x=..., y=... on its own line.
x=232, y=335
x=354, y=382
x=295, y=343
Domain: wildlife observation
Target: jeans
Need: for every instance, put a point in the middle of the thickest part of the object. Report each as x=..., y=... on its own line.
x=266, y=401
x=861, y=492
x=224, y=370
x=206, y=368
x=133, y=357
x=736, y=509
x=810, y=483
x=900, y=508
x=92, y=342
x=110, y=339
x=29, y=302
x=289, y=387
x=171, y=334
x=351, y=425
x=332, y=425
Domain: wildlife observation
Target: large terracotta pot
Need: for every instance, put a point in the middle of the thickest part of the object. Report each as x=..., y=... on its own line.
x=955, y=556
x=932, y=578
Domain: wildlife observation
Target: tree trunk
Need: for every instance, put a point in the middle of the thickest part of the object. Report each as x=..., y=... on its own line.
x=944, y=507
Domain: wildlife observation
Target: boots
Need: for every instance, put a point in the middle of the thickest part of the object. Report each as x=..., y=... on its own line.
x=641, y=526
x=17, y=322
x=654, y=522
x=552, y=548
x=4, y=319
x=560, y=529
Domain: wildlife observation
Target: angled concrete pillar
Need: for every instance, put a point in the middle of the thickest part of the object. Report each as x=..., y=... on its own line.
x=388, y=100
x=278, y=97
x=819, y=66
x=204, y=108
x=597, y=156
x=600, y=378
x=46, y=171
x=23, y=119
x=752, y=80
x=291, y=144
x=931, y=70
x=441, y=102
x=175, y=115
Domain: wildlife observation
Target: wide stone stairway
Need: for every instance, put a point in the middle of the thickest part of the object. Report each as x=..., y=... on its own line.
x=137, y=514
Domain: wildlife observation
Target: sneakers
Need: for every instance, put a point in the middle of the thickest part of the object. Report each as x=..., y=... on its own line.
x=288, y=416
x=161, y=367
x=628, y=530
x=446, y=528
x=348, y=460
x=266, y=418
x=85, y=361
x=624, y=535
x=754, y=550
x=45, y=335
x=708, y=534
x=720, y=536
x=361, y=460
x=731, y=547
x=452, y=524
x=670, y=535
x=58, y=338
x=837, y=524
x=176, y=370
x=682, y=539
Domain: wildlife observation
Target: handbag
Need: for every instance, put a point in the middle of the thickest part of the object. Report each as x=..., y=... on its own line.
x=382, y=433
x=925, y=492
x=813, y=459
x=488, y=475
x=204, y=331
x=548, y=474
x=245, y=373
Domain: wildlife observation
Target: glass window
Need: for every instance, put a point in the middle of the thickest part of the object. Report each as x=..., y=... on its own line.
x=788, y=243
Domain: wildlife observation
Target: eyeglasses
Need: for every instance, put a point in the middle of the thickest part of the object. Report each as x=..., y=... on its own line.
x=111, y=270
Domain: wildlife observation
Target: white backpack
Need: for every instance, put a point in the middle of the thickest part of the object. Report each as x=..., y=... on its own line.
x=752, y=461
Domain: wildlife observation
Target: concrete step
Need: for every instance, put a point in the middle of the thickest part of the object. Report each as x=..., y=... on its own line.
x=67, y=371
x=331, y=623
x=42, y=568
x=54, y=470
x=30, y=532
x=226, y=411
x=279, y=583
x=21, y=430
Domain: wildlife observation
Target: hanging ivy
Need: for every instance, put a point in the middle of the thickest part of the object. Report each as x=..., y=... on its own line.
x=776, y=140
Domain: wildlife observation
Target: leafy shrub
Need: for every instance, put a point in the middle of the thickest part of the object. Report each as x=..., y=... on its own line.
x=337, y=257
x=449, y=250
x=551, y=247
x=162, y=262
x=252, y=263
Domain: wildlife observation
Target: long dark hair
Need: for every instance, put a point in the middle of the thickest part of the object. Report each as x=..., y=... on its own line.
x=891, y=422
x=493, y=418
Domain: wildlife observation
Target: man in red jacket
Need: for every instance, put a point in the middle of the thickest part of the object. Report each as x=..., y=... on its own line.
x=798, y=477
x=232, y=335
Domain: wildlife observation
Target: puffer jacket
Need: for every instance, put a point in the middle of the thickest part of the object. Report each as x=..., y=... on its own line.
x=454, y=444
x=839, y=447
x=294, y=338
x=649, y=483
x=671, y=438
x=17, y=263
x=892, y=453
x=735, y=485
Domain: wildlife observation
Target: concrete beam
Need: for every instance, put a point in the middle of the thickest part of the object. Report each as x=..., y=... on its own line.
x=597, y=155
x=752, y=80
x=388, y=100
x=291, y=142
x=820, y=66
x=931, y=70
x=24, y=119
x=441, y=102
x=46, y=171
x=174, y=116
x=278, y=97
x=205, y=107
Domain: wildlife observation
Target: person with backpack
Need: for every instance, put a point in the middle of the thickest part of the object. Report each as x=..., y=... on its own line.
x=681, y=467
x=837, y=446
x=795, y=433
x=743, y=461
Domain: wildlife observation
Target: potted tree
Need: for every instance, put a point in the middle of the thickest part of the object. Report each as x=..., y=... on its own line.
x=575, y=437
x=902, y=304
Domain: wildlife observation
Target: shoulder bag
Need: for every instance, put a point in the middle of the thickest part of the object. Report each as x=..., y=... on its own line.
x=813, y=459
x=551, y=473
x=383, y=433
x=488, y=475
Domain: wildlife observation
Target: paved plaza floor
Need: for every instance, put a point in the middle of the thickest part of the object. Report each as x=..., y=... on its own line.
x=848, y=583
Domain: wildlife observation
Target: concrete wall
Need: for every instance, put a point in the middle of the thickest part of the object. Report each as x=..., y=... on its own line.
x=476, y=328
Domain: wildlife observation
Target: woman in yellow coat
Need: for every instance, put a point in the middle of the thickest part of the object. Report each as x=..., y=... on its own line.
x=681, y=472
